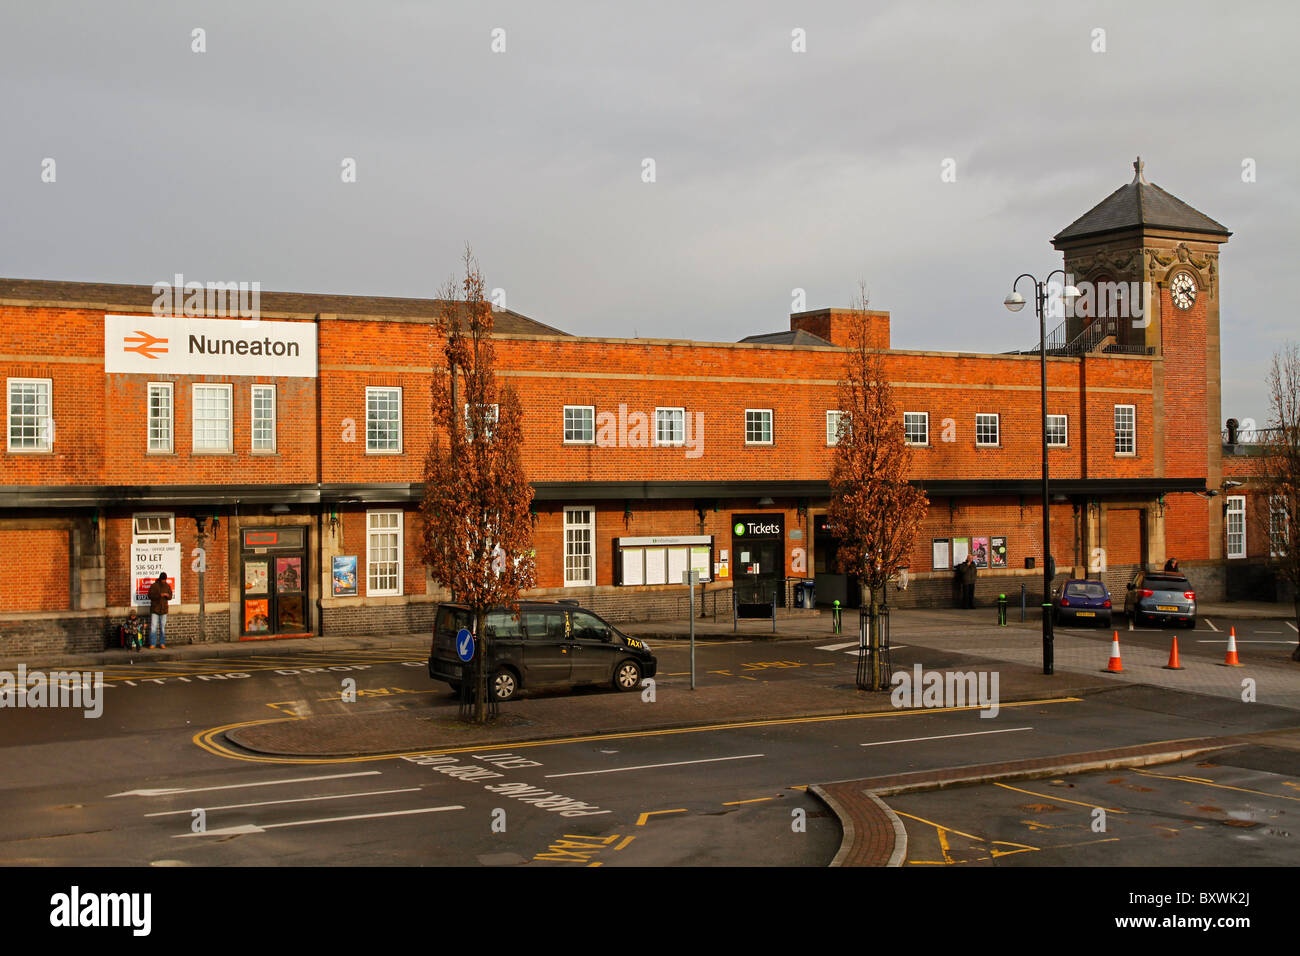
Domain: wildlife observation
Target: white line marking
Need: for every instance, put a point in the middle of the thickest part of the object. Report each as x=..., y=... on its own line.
x=268, y=803
x=168, y=791
x=1293, y=627
x=1130, y=624
x=254, y=828
x=1211, y=624
x=976, y=733
x=838, y=647
x=859, y=653
x=1240, y=641
x=1268, y=632
x=653, y=766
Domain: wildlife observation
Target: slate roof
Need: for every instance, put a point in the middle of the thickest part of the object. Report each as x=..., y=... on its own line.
x=140, y=298
x=794, y=337
x=1141, y=203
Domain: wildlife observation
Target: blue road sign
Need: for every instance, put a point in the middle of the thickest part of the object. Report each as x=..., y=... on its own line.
x=465, y=645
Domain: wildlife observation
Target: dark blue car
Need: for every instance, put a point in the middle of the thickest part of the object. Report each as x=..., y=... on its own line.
x=1081, y=601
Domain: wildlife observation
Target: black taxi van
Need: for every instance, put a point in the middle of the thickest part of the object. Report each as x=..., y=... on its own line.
x=539, y=644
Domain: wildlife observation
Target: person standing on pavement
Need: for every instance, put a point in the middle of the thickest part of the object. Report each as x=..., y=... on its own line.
x=1171, y=564
x=966, y=572
x=160, y=592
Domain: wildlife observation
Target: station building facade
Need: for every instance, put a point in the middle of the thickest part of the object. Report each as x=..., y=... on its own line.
x=276, y=465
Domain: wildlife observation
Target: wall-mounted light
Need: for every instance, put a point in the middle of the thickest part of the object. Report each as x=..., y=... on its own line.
x=765, y=502
x=279, y=509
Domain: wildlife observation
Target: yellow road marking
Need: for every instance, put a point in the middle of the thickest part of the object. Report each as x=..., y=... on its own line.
x=1055, y=799
x=1220, y=786
x=736, y=803
x=625, y=842
x=205, y=739
x=939, y=826
x=640, y=821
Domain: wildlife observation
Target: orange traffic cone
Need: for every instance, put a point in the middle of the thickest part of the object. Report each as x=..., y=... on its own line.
x=1173, y=664
x=1115, y=666
x=1231, y=659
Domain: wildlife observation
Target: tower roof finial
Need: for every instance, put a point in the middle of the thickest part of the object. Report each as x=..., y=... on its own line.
x=1138, y=167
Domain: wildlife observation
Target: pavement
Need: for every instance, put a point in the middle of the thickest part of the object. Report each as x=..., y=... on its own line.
x=965, y=639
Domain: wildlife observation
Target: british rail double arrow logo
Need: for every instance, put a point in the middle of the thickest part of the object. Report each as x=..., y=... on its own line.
x=145, y=345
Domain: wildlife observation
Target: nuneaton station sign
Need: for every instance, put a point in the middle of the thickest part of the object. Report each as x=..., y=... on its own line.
x=172, y=345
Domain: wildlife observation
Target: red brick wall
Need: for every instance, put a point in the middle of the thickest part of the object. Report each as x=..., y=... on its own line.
x=1123, y=536
x=36, y=570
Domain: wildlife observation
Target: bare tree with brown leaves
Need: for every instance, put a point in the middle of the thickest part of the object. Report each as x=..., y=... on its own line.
x=477, y=525
x=1279, y=471
x=874, y=511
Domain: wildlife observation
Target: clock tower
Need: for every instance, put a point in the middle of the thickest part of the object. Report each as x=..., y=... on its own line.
x=1147, y=264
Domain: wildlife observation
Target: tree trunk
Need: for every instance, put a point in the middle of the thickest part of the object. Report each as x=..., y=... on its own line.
x=873, y=624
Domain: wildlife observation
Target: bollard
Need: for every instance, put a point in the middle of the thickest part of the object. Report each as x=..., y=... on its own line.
x=1002, y=610
x=835, y=618
x=1022, y=604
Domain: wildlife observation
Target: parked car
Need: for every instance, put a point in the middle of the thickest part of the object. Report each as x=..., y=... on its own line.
x=1080, y=600
x=1160, y=597
x=542, y=643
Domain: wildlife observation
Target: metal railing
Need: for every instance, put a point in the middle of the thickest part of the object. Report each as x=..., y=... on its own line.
x=874, y=673
x=707, y=602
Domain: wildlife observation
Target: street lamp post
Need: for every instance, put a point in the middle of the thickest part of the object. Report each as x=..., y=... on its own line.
x=1015, y=302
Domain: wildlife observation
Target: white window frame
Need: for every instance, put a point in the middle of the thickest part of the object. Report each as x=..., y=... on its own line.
x=590, y=411
x=229, y=389
x=997, y=429
x=771, y=428
x=1130, y=432
x=386, y=389
x=925, y=426
x=170, y=420
x=372, y=563
x=1278, y=526
x=681, y=425
x=44, y=422
x=150, y=536
x=1235, y=512
x=496, y=417
x=833, y=430
x=590, y=528
x=1065, y=431
x=252, y=416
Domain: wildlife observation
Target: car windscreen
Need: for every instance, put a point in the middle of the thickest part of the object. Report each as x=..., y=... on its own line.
x=1092, y=589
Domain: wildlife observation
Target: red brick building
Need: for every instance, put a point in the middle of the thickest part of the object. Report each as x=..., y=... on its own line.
x=294, y=446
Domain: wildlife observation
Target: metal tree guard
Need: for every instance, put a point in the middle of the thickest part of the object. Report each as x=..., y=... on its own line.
x=866, y=653
x=468, y=688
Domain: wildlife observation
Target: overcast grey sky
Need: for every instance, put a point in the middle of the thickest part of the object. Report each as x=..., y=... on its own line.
x=775, y=170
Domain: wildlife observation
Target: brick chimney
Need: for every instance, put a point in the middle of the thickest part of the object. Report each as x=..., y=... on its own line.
x=836, y=326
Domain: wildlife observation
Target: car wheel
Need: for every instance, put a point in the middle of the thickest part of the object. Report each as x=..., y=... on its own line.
x=627, y=675
x=503, y=685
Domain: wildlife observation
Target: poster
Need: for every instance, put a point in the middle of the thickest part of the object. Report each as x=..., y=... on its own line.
x=288, y=574
x=150, y=560
x=960, y=548
x=345, y=575
x=979, y=549
x=257, y=616
x=255, y=577
x=998, y=552
x=939, y=554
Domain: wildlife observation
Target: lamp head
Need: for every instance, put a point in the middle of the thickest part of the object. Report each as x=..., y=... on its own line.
x=1014, y=302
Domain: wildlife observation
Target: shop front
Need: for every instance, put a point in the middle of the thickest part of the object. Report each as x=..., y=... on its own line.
x=758, y=555
x=275, y=584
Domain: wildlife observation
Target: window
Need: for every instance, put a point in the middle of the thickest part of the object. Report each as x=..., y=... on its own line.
x=916, y=428
x=161, y=417
x=31, y=426
x=490, y=418
x=834, y=422
x=670, y=426
x=384, y=420
x=1278, y=527
x=986, y=430
x=1125, y=430
x=579, y=424
x=152, y=529
x=212, y=418
x=383, y=552
x=579, y=547
x=1058, y=431
x=263, y=418
x=758, y=426
x=1236, y=515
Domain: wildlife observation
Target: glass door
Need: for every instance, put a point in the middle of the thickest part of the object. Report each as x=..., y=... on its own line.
x=275, y=582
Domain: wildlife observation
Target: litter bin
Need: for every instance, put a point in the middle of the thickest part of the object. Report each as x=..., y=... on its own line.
x=809, y=593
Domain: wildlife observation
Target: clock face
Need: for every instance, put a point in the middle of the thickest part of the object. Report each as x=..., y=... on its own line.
x=1183, y=290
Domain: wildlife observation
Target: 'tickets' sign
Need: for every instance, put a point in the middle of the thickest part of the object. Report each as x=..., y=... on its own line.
x=172, y=345
x=150, y=560
x=758, y=526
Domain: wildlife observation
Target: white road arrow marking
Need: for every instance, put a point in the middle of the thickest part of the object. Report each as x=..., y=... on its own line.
x=653, y=766
x=253, y=828
x=168, y=791
x=974, y=733
x=268, y=803
x=838, y=647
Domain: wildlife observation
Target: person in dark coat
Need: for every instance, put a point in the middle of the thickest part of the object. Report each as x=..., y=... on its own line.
x=1171, y=564
x=966, y=572
x=160, y=592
